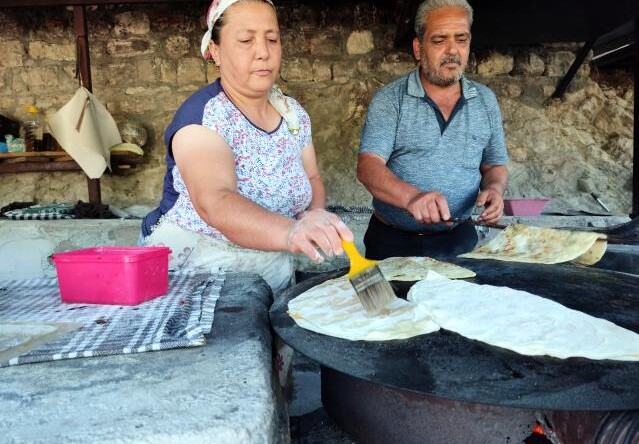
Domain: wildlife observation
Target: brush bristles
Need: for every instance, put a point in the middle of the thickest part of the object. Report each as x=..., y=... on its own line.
x=373, y=289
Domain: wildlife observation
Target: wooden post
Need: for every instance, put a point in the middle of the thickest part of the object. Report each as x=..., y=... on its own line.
x=635, y=137
x=576, y=64
x=84, y=65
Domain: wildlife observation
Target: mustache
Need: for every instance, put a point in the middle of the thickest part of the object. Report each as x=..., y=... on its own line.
x=450, y=59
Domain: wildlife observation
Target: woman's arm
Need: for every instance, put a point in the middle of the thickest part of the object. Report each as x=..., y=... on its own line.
x=309, y=162
x=207, y=166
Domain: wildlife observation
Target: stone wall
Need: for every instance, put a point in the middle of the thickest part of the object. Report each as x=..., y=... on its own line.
x=145, y=62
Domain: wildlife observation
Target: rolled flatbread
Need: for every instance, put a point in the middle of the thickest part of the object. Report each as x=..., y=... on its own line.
x=520, y=321
x=522, y=243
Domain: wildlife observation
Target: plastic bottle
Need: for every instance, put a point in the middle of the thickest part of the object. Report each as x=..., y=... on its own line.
x=32, y=129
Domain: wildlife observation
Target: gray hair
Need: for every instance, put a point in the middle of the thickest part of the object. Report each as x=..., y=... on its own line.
x=430, y=5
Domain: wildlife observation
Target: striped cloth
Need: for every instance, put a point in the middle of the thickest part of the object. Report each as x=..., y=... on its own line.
x=42, y=212
x=179, y=319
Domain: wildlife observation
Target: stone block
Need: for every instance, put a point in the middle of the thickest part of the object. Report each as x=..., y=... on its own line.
x=177, y=46
x=146, y=69
x=13, y=54
x=558, y=62
x=509, y=89
x=117, y=73
x=131, y=23
x=190, y=70
x=529, y=64
x=296, y=69
x=128, y=47
x=294, y=41
x=304, y=17
x=156, y=69
x=167, y=70
x=321, y=71
x=344, y=71
x=325, y=44
x=369, y=63
x=51, y=51
x=8, y=25
x=398, y=63
x=37, y=77
x=495, y=64
x=360, y=42
x=52, y=29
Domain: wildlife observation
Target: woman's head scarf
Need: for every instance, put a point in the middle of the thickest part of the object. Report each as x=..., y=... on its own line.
x=276, y=97
x=214, y=13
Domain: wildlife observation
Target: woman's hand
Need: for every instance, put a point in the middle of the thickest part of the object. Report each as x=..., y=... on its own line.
x=316, y=230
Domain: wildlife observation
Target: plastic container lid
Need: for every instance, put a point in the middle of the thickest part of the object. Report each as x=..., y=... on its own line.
x=111, y=254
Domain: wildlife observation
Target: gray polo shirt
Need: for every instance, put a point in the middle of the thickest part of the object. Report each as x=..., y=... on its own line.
x=402, y=127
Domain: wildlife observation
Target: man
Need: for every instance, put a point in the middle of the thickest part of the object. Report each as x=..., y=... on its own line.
x=432, y=146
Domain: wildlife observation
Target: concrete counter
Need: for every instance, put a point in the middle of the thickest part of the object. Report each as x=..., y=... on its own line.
x=224, y=392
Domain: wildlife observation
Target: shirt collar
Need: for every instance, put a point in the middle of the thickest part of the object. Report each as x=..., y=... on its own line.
x=416, y=89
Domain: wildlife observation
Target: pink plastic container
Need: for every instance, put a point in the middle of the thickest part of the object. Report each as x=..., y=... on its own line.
x=112, y=275
x=524, y=207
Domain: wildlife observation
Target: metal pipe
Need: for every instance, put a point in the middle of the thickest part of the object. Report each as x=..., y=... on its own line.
x=635, y=153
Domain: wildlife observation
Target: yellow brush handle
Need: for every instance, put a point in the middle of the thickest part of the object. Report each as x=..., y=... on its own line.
x=358, y=263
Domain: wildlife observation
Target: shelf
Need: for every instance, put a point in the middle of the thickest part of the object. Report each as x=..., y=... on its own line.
x=51, y=161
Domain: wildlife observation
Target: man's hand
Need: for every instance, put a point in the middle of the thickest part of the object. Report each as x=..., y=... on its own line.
x=429, y=208
x=493, y=202
x=317, y=230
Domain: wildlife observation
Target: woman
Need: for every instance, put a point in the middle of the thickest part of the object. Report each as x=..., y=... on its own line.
x=242, y=189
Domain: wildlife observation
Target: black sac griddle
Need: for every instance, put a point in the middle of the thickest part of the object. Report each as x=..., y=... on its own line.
x=444, y=388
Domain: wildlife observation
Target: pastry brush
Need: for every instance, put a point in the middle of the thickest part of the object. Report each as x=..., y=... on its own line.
x=372, y=288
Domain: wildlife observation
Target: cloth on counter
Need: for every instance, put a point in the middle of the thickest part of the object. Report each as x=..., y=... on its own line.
x=15, y=206
x=86, y=210
x=178, y=319
x=42, y=212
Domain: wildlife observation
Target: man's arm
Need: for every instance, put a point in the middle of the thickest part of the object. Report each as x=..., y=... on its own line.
x=379, y=180
x=494, y=179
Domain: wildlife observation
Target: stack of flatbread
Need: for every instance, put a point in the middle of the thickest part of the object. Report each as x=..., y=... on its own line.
x=500, y=316
x=522, y=243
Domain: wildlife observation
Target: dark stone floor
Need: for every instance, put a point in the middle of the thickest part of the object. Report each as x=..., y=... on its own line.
x=309, y=422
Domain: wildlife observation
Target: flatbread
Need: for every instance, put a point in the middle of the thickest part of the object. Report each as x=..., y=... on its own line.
x=416, y=269
x=332, y=308
x=594, y=254
x=520, y=321
x=522, y=243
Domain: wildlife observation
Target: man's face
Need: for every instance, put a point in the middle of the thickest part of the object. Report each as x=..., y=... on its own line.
x=444, y=48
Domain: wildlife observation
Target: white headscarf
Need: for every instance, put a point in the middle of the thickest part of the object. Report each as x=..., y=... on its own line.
x=277, y=99
x=215, y=11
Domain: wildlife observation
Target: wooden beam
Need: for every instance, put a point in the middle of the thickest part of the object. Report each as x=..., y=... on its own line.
x=38, y=167
x=84, y=66
x=635, y=137
x=564, y=83
x=82, y=45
